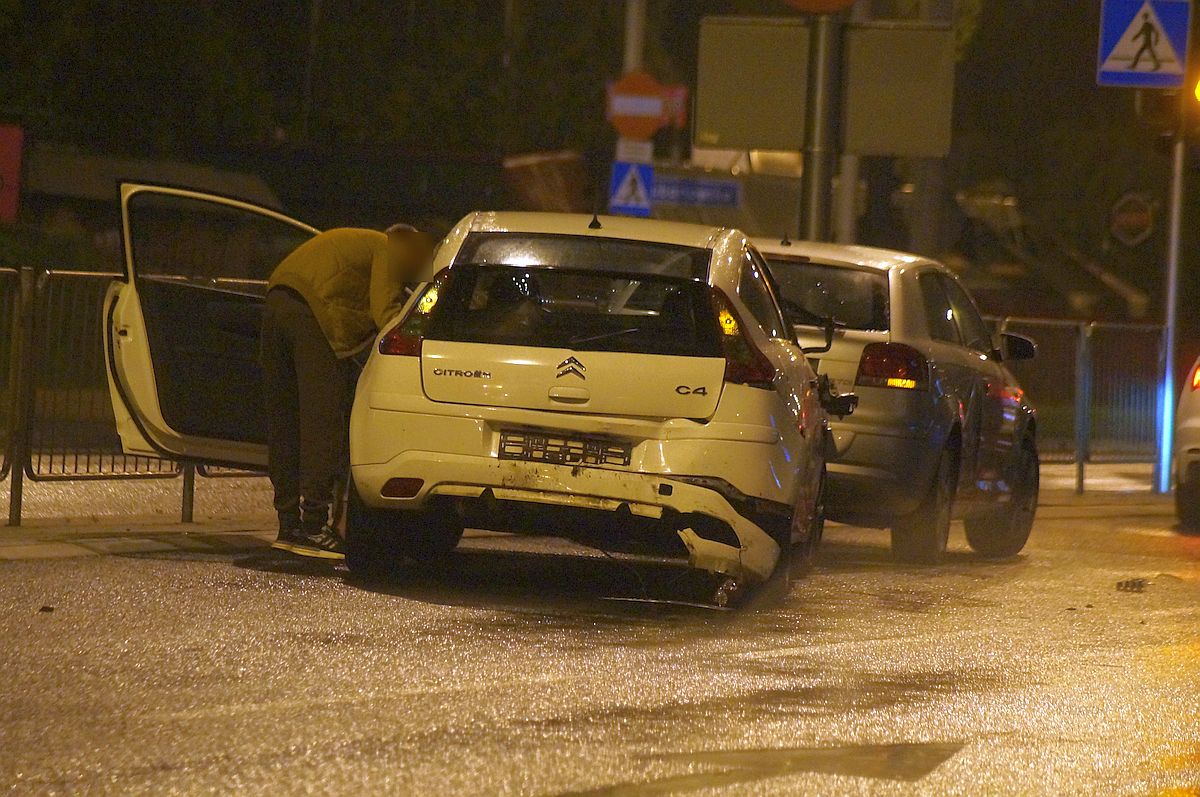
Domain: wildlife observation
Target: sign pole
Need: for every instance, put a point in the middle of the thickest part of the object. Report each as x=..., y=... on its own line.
x=1144, y=45
x=816, y=187
x=1166, y=399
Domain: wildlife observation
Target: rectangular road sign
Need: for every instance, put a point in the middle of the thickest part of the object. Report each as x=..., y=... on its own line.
x=1143, y=43
x=701, y=192
x=631, y=189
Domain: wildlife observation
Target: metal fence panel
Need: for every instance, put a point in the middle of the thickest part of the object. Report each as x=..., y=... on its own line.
x=1049, y=381
x=1116, y=368
x=72, y=430
x=10, y=294
x=1124, y=407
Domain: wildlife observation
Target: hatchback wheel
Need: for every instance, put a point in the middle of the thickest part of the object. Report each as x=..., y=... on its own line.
x=370, y=540
x=1187, y=505
x=1001, y=533
x=921, y=536
x=428, y=534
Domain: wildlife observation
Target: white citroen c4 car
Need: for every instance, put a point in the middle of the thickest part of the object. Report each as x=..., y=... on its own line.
x=638, y=370
x=606, y=377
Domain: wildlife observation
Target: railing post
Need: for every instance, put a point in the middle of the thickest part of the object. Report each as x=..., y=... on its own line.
x=189, y=492
x=22, y=381
x=1083, y=403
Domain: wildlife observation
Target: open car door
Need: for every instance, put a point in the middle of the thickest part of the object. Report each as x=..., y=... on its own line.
x=181, y=332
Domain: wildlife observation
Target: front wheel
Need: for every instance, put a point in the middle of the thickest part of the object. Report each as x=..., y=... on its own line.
x=1003, y=532
x=921, y=536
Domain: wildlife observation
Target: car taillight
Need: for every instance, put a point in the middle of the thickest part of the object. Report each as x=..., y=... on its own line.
x=405, y=338
x=892, y=365
x=744, y=363
x=1196, y=378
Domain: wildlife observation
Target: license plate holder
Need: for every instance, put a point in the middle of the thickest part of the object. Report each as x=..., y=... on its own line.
x=560, y=449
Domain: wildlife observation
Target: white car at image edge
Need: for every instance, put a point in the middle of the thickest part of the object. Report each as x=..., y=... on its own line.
x=1187, y=453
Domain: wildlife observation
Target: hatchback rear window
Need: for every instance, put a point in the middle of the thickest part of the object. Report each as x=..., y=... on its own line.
x=858, y=297
x=571, y=308
x=586, y=252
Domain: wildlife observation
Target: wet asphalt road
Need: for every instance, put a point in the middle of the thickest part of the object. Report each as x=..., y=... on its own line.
x=205, y=663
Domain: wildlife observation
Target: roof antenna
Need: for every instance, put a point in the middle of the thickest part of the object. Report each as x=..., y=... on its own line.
x=597, y=193
x=594, y=224
x=785, y=241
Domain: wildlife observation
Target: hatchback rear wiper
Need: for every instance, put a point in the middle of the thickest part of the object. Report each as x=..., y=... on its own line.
x=593, y=338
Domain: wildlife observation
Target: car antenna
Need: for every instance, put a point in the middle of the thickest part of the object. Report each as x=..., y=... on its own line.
x=785, y=241
x=594, y=224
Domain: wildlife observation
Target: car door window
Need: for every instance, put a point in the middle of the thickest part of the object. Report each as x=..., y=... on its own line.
x=975, y=333
x=756, y=295
x=939, y=315
x=207, y=242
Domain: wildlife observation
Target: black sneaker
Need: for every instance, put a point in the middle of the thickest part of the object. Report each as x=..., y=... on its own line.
x=321, y=544
x=287, y=539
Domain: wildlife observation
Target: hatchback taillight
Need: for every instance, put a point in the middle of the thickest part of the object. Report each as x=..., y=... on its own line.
x=892, y=365
x=406, y=337
x=744, y=363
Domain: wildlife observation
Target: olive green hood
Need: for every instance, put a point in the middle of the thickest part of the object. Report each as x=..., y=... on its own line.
x=353, y=280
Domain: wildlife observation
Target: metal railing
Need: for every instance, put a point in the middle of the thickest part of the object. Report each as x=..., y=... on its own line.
x=72, y=430
x=58, y=422
x=10, y=295
x=1095, y=386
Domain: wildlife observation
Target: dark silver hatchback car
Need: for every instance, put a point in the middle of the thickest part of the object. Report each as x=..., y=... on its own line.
x=942, y=428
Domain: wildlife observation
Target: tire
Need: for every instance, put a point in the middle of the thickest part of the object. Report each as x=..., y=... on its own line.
x=1002, y=533
x=921, y=536
x=429, y=534
x=795, y=560
x=379, y=540
x=802, y=555
x=370, y=548
x=1187, y=506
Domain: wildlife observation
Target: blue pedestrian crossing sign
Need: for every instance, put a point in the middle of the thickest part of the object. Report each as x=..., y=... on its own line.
x=631, y=188
x=1144, y=43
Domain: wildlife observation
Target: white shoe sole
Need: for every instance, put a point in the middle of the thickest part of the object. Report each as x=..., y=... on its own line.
x=315, y=553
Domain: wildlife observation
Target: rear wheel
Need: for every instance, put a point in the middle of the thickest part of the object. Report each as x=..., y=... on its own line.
x=1001, y=533
x=370, y=544
x=795, y=559
x=1187, y=505
x=921, y=536
x=378, y=540
x=431, y=533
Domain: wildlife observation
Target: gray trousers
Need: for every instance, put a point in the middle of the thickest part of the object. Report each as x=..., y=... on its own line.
x=308, y=396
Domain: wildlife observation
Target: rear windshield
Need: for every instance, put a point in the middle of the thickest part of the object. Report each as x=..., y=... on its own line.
x=569, y=308
x=858, y=297
x=585, y=252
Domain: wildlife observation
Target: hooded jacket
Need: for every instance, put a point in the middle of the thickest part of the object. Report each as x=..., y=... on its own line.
x=353, y=280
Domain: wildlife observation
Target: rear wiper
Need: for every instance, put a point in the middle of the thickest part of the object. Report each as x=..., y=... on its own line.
x=593, y=338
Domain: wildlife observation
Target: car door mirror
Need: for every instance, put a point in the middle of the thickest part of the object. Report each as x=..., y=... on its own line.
x=834, y=403
x=1016, y=347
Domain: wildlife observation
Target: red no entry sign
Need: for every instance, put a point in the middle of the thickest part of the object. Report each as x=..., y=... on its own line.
x=638, y=105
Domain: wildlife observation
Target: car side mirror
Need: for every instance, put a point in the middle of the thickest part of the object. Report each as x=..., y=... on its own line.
x=1016, y=347
x=834, y=403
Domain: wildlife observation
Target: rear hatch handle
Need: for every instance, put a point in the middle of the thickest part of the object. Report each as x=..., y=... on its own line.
x=570, y=395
